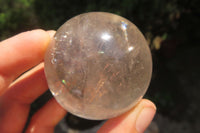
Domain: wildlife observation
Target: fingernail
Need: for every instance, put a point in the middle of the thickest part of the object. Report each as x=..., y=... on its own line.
x=144, y=119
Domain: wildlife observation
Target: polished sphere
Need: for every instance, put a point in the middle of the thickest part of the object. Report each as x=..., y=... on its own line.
x=98, y=65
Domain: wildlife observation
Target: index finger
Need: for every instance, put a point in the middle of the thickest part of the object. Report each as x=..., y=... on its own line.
x=20, y=53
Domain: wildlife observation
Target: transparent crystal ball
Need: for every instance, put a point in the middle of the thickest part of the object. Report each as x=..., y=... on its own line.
x=98, y=65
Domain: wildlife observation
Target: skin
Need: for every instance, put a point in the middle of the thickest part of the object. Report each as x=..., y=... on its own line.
x=22, y=81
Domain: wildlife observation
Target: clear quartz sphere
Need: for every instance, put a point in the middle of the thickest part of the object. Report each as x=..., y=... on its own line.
x=98, y=65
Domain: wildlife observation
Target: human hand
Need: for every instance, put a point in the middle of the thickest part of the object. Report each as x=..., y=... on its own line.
x=18, y=55
x=22, y=80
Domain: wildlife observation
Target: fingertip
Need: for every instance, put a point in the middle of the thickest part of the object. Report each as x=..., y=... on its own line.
x=39, y=37
x=136, y=119
x=38, y=40
x=40, y=33
x=145, y=115
x=43, y=37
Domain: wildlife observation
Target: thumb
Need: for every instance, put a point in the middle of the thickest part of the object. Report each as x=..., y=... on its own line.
x=134, y=121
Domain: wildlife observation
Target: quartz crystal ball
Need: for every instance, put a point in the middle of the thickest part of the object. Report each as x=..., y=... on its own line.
x=98, y=65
